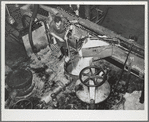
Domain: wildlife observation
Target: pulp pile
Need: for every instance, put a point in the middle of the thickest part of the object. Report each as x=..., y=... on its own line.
x=67, y=99
x=48, y=74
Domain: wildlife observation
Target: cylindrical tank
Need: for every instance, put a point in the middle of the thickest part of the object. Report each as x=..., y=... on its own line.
x=21, y=81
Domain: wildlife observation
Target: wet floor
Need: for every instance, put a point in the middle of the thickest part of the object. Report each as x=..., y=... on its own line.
x=124, y=20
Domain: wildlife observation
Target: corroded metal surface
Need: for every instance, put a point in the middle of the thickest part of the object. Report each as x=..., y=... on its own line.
x=103, y=31
x=137, y=53
x=19, y=79
x=101, y=93
x=56, y=67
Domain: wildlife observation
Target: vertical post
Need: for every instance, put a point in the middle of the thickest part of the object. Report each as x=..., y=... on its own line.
x=142, y=95
x=87, y=12
x=124, y=66
x=82, y=11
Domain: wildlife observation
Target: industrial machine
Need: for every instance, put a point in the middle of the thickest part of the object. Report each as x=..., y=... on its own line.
x=81, y=78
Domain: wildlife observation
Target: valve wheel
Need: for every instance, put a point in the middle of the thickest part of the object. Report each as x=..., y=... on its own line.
x=23, y=104
x=93, y=73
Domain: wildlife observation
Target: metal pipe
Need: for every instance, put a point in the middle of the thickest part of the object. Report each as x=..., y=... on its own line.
x=47, y=98
x=128, y=76
x=99, y=30
x=46, y=29
x=92, y=104
x=87, y=12
x=34, y=15
x=124, y=66
x=142, y=95
x=7, y=10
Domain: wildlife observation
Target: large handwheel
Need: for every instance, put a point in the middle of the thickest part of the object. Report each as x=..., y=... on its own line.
x=23, y=104
x=94, y=73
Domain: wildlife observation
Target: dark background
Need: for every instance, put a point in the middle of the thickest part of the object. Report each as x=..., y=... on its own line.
x=122, y=19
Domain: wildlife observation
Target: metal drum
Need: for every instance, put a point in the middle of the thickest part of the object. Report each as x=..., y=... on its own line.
x=23, y=104
x=102, y=93
x=21, y=81
x=75, y=65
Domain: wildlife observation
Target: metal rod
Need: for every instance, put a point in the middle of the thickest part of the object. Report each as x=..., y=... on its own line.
x=69, y=52
x=8, y=10
x=142, y=95
x=124, y=66
x=128, y=76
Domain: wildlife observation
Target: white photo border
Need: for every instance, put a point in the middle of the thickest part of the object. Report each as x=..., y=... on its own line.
x=71, y=115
